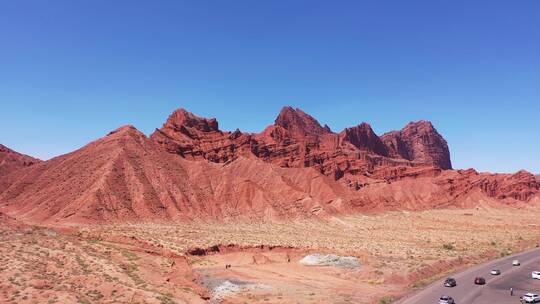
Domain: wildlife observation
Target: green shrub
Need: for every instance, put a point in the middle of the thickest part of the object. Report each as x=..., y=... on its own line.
x=387, y=300
x=448, y=246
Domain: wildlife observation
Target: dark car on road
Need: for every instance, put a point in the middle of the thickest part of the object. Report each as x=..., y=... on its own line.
x=450, y=282
x=479, y=281
x=446, y=300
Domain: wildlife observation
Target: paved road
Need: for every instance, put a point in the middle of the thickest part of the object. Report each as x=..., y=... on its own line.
x=497, y=288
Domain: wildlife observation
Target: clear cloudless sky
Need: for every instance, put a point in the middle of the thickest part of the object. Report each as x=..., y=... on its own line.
x=71, y=71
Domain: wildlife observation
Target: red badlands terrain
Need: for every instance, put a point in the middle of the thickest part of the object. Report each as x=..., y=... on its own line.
x=127, y=176
x=11, y=161
x=191, y=169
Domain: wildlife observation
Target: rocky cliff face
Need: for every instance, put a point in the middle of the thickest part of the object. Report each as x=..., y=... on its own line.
x=299, y=124
x=419, y=142
x=355, y=157
x=190, y=169
x=126, y=176
x=363, y=138
x=296, y=139
x=193, y=137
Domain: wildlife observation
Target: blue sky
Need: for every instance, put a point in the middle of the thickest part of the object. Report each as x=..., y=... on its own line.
x=70, y=71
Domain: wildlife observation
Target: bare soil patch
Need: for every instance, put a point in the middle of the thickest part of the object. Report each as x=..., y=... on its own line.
x=186, y=262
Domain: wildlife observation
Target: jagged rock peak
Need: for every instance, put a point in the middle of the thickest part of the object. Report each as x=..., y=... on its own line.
x=363, y=137
x=420, y=125
x=419, y=141
x=182, y=118
x=125, y=129
x=297, y=121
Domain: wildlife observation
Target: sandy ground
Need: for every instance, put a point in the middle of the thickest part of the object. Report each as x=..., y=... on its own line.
x=150, y=263
x=38, y=265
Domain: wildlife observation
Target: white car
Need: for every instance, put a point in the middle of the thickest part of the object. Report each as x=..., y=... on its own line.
x=446, y=300
x=536, y=275
x=530, y=298
x=516, y=263
x=495, y=272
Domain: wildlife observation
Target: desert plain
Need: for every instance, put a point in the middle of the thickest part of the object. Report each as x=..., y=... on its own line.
x=398, y=252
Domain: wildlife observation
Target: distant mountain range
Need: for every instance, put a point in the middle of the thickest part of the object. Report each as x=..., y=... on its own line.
x=190, y=169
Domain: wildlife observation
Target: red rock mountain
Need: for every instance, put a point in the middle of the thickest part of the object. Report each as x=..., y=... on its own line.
x=300, y=124
x=420, y=142
x=10, y=163
x=356, y=158
x=363, y=138
x=191, y=169
x=126, y=176
x=11, y=160
x=298, y=140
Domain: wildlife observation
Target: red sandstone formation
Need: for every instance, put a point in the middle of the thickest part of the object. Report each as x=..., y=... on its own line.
x=295, y=168
x=420, y=142
x=126, y=176
x=198, y=138
x=300, y=124
x=298, y=140
x=11, y=160
x=450, y=188
x=10, y=163
x=363, y=138
x=357, y=158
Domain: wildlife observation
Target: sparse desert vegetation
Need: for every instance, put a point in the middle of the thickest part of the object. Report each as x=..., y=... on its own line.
x=38, y=265
x=149, y=263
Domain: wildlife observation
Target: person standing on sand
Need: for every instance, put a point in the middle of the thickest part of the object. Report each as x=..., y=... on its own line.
x=511, y=291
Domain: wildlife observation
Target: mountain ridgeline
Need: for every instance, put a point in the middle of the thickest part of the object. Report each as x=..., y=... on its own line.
x=295, y=168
